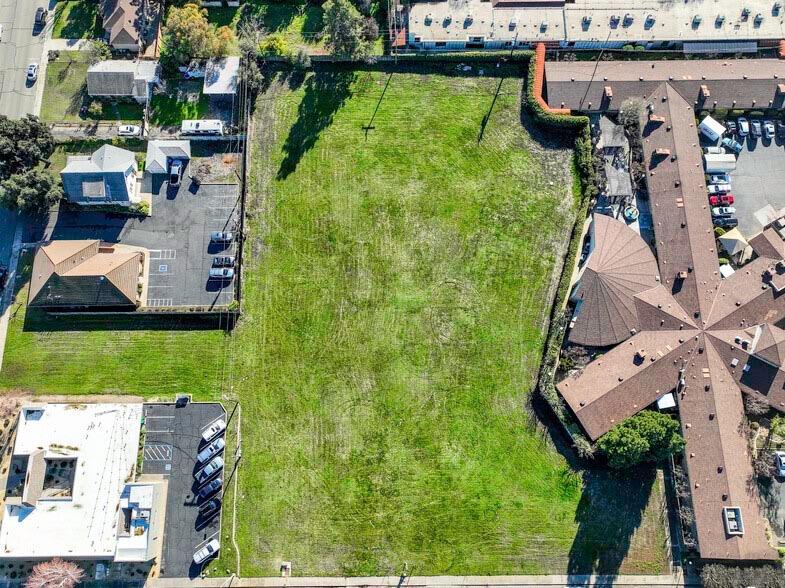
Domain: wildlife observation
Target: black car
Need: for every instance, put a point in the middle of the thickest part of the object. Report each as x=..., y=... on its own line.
x=731, y=126
x=40, y=16
x=726, y=222
x=210, y=488
x=214, y=504
x=223, y=261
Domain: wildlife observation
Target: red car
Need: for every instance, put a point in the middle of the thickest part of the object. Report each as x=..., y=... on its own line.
x=722, y=200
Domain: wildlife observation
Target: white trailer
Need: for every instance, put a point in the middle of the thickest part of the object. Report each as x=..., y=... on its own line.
x=202, y=127
x=712, y=129
x=719, y=163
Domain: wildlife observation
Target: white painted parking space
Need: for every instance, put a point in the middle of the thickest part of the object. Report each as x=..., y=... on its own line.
x=163, y=254
x=160, y=302
x=158, y=452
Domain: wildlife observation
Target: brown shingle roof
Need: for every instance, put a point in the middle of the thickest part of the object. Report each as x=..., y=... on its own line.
x=691, y=323
x=121, y=21
x=619, y=266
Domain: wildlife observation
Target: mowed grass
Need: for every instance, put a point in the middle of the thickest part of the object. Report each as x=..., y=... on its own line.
x=65, y=95
x=143, y=355
x=398, y=285
x=76, y=19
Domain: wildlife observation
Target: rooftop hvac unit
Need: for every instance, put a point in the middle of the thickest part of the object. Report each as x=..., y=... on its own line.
x=737, y=340
x=758, y=19
x=628, y=18
x=513, y=23
x=745, y=13
x=447, y=19
x=649, y=21
x=544, y=25
x=428, y=20
x=720, y=20
x=587, y=19
x=696, y=20
x=469, y=18
x=775, y=10
x=614, y=20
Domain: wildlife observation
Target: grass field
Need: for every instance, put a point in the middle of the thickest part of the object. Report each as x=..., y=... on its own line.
x=182, y=100
x=395, y=311
x=76, y=19
x=66, y=94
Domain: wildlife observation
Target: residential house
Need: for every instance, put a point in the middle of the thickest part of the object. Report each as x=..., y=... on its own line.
x=122, y=22
x=108, y=176
x=87, y=275
x=123, y=78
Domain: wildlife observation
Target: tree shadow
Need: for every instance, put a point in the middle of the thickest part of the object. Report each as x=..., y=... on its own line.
x=82, y=20
x=609, y=512
x=325, y=94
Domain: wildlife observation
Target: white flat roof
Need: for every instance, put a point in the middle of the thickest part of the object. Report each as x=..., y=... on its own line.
x=104, y=439
x=590, y=20
x=220, y=76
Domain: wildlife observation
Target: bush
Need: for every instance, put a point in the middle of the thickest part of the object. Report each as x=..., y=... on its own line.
x=755, y=406
x=96, y=108
x=647, y=436
x=143, y=208
x=724, y=261
x=274, y=45
x=719, y=231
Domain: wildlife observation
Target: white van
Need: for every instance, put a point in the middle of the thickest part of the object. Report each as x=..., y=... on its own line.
x=202, y=127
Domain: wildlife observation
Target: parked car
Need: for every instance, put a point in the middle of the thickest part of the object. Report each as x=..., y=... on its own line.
x=209, y=488
x=714, y=150
x=734, y=146
x=40, y=16
x=222, y=273
x=768, y=129
x=755, y=128
x=779, y=460
x=221, y=236
x=129, y=130
x=214, y=430
x=718, y=188
x=209, y=507
x=721, y=200
x=209, y=550
x=731, y=126
x=32, y=72
x=223, y=261
x=211, y=450
x=744, y=127
x=3, y=277
x=1, y=32
x=719, y=178
x=726, y=222
x=209, y=470
x=175, y=172
x=780, y=128
x=723, y=211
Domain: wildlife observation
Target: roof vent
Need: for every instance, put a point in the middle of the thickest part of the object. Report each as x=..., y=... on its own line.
x=734, y=362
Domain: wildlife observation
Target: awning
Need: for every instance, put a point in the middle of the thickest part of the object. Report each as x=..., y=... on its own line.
x=721, y=47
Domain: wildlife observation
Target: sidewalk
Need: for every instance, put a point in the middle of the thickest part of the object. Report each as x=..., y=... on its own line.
x=427, y=582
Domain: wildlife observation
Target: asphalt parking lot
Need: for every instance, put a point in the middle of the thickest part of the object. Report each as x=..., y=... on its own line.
x=177, y=234
x=173, y=438
x=758, y=184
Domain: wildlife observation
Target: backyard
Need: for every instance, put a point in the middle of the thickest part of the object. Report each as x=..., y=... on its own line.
x=398, y=285
x=66, y=100
x=76, y=19
x=180, y=100
x=56, y=162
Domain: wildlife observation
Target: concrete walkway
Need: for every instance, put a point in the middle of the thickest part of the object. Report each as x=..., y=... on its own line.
x=427, y=582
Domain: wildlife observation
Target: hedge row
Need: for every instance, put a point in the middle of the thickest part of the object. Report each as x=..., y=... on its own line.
x=578, y=127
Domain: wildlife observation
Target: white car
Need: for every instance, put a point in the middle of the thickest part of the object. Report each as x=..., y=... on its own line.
x=214, y=430
x=32, y=72
x=207, y=551
x=211, y=450
x=718, y=188
x=723, y=211
x=714, y=150
x=744, y=127
x=128, y=130
x=719, y=179
x=779, y=460
x=768, y=129
x=222, y=273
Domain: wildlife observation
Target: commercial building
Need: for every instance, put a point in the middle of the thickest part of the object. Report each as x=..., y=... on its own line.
x=722, y=26
x=69, y=492
x=703, y=338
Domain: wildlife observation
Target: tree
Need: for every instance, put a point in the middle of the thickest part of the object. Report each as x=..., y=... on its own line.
x=31, y=191
x=755, y=406
x=23, y=144
x=344, y=28
x=55, y=574
x=647, y=436
x=98, y=50
x=370, y=29
x=188, y=35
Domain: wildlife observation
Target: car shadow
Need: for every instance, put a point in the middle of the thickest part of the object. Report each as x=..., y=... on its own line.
x=216, y=284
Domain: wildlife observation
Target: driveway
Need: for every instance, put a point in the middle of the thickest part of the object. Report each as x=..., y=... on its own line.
x=172, y=441
x=20, y=46
x=177, y=234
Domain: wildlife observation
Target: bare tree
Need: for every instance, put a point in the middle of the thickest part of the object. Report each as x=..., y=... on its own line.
x=55, y=573
x=755, y=406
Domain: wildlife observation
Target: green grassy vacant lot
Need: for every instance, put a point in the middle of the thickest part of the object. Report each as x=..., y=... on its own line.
x=76, y=19
x=300, y=23
x=143, y=355
x=66, y=93
x=396, y=304
x=183, y=99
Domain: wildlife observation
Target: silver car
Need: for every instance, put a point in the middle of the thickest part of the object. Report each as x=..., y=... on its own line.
x=222, y=236
x=209, y=470
x=222, y=273
x=211, y=450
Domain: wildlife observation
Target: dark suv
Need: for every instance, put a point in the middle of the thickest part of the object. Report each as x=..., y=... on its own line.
x=40, y=16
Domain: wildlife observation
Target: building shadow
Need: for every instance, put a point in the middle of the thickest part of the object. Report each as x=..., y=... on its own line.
x=40, y=321
x=610, y=511
x=325, y=94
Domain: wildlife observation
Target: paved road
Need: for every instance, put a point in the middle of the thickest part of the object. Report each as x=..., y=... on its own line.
x=18, y=48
